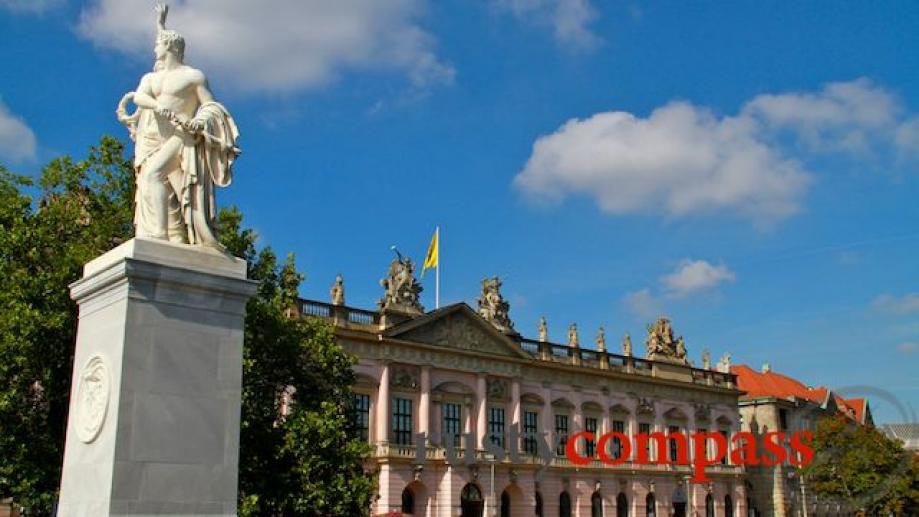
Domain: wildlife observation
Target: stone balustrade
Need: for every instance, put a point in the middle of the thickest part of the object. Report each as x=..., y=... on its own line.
x=362, y=319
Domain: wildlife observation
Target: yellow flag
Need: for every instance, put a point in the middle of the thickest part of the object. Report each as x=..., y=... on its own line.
x=431, y=257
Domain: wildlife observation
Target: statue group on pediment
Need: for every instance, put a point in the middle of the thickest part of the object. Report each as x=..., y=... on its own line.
x=662, y=346
x=402, y=292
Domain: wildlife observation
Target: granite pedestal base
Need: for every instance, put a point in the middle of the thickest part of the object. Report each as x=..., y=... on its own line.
x=153, y=426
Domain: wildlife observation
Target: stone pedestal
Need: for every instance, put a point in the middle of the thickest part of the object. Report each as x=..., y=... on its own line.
x=153, y=426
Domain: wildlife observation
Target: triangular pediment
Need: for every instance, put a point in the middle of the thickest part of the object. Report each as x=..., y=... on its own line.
x=457, y=326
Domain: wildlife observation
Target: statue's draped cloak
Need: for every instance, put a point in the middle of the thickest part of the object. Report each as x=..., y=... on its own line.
x=205, y=162
x=205, y=165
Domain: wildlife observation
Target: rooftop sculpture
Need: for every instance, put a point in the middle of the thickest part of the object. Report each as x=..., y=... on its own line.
x=661, y=344
x=401, y=290
x=492, y=305
x=573, y=335
x=337, y=291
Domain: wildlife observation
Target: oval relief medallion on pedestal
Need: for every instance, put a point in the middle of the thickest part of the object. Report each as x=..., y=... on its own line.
x=92, y=399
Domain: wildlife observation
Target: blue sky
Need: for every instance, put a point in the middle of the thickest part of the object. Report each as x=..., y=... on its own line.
x=747, y=168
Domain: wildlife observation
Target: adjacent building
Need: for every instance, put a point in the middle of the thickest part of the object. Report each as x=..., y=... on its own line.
x=776, y=402
x=907, y=434
x=440, y=392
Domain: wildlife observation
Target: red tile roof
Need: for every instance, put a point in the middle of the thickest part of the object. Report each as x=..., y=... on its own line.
x=771, y=384
x=855, y=407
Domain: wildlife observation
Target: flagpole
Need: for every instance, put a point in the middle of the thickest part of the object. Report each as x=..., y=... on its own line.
x=437, y=273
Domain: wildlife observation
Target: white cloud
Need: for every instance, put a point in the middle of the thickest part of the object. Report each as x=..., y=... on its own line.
x=901, y=306
x=908, y=347
x=17, y=141
x=30, y=6
x=278, y=45
x=907, y=138
x=682, y=159
x=569, y=19
x=843, y=116
x=643, y=304
x=692, y=276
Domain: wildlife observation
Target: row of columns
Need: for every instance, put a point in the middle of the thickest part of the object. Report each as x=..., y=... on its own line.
x=547, y=415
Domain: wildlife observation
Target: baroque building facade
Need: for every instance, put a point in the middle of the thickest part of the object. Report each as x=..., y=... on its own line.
x=448, y=398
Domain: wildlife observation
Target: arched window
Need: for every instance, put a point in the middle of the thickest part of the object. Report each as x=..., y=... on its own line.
x=505, y=504
x=596, y=505
x=471, y=502
x=408, y=501
x=650, y=506
x=728, y=506
x=538, y=505
x=564, y=505
x=622, y=505
x=709, y=506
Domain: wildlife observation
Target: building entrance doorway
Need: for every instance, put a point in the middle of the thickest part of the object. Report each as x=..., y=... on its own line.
x=471, y=502
x=679, y=502
x=679, y=509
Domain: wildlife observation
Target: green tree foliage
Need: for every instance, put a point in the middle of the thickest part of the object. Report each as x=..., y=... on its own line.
x=861, y=466
x=307, y=464
x=80, y=210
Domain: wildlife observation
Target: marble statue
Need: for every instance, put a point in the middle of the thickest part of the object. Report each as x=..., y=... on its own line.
x=627, y=345
x=601, y=340
x=402, y=291
x=337, y=292
x=662, y=346
x=543, y=329
x=706, y=359
x=184, y=146
x=573, y=335
x=492, y=305
x=724, y=364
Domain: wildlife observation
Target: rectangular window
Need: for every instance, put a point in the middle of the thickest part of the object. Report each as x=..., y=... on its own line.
x=496, y=425
x=402, y=421
x=727, y=439
x=783, y=419
x=646, y=430
x=362, y=414
x=702, y=431
x=618, y=427
x=561, y=431
x=590, y=425
x=452, y=429
x=530, y=418
x=673, y=443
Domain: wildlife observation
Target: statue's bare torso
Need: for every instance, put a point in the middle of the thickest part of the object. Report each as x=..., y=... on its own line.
x=180, y=90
